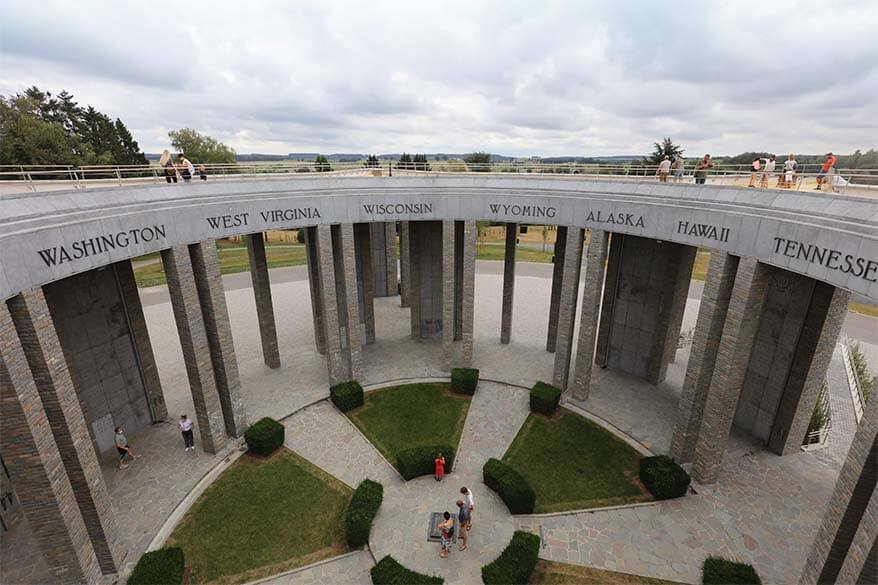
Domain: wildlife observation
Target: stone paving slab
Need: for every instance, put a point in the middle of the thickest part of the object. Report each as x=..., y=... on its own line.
x=326, y=438
x=352, y=569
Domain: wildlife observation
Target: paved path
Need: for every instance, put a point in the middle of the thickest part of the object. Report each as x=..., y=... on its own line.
x=325, y=437
x=844, y=419
x=352, y=569
x=495, y=415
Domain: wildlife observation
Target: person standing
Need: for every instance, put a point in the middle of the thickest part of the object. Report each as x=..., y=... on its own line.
x=677, y=167
x=186, y=168
x=754, y=172
x=439, y=467
x=663, y=169
x=768, y=171
x=789, y=171
x=167, y=163
x=186, y=430
x=202, y=172
x=701, y=170
x=470, y=504
x=122, y=447
x=463, y=516
x=446, y=531
x=828, y=166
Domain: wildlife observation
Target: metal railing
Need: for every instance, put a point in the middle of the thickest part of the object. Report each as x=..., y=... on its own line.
x=853, y=380
x=34, y=178
x=819, y=436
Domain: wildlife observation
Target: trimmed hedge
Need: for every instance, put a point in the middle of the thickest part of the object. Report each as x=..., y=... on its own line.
x=464, y=380
x=159, y=567
x=544, y=398
x=361, y=512
x=720, y=571
x=515, y=563
x=663, y=477
x=264, y=437
x=418, y=461
x=388, y=571
x=346, y=395
x=510, y=485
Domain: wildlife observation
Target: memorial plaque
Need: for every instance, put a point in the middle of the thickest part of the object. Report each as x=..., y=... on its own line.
x=433, y=533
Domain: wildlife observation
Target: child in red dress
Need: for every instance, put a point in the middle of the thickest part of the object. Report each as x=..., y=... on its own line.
x=439, y=467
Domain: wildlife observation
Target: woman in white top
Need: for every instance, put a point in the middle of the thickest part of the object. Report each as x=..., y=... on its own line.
x=768, y=170
x=789, y=171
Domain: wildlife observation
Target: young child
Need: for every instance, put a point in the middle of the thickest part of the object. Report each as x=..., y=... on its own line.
x=439, y=467
x=202, y=172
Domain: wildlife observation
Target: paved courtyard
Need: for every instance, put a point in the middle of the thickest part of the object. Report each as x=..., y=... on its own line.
x=764, y=508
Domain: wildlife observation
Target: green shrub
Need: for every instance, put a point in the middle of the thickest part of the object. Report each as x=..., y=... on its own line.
x=346, y=395
x=512, y=488
x=264, y=437
x=361, y=512
x=544, y=398
x=464, y=380
x=159, y=567
x=389, y=572
x=418, y=461
x=515, y=563
x=720, y=571
x=300, y=235
x=663, y=477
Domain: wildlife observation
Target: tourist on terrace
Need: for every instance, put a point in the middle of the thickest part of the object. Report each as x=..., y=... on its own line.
x=678, y=168
x=664, y=168
x=470, y=503
x=187, y=169
x=463, y=516
x=167, y=163
x=202, y=172
x=768, y=170
x=789, y=171
x=828, y=166
x=756, y=166
x=701, y=170
x=446, y=530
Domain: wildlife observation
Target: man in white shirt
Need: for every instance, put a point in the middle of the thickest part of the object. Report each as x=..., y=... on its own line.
x=186, y=430
x=470, y=503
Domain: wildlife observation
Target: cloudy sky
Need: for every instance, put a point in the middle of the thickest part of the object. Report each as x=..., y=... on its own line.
x=519, y=78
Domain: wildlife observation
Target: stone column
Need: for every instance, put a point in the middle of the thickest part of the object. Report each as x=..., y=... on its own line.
x=42, y=350
x=567, y=306
x=447, y=293
x=849, y=527
x=196, y=351
x=598, y=246
x=365, y=279
x=702, y=357
x=329, y=302
x=140, y=336
x=508, y=282
x=405, y=278
x=217, y=326
x=262, y=292
x=458, y=280
x=817, y=341
x=41, y=482
x=733, y=354
x=314, y=285
x=470, y=231
x=352, y=303
x=390, y=254
x=683, y=278
x=608, y=300
x=557, y=277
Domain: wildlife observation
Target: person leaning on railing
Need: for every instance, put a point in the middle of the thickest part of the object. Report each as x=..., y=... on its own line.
x=663, y=169
x=701, y=169
x=677, y=167
x=788, y=177
x=167, y=163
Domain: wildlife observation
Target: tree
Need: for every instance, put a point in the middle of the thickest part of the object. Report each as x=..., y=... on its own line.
x=372, y=161
x=480, y=160
x=420, y=162
x=405, y=161
x=321, y=164
x=200, y=148
x=661, y=150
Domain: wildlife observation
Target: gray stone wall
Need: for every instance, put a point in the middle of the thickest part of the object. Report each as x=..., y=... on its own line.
x=91, y=323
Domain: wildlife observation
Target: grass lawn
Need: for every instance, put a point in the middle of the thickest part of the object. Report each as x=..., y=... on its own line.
x=411, y=415
x=263, y=516
x=573, y=464
x=549, y=573
x=492, y=251
x=232, y=259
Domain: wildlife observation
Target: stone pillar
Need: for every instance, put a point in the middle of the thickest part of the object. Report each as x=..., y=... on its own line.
x=702, y=357
x=739, y=331
x=365, y=279
x=351, y=300
x=557, y=277
x=458, y=280
x=817, y=341
x=329, y=302
x=685, y=262
x=567, y=306
x=140, y=336
x=598, y=246
x=414, y=288
x=212, y=298
x=262, y=292
x=846, y=535
x=195, y=347
x=447, y=293
x=608, y=300
x=314, y=285
x=508, y=282
x=405, y=278
x=390, y=254
x=42, y=350
x=470, y=231
x=39, y=476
